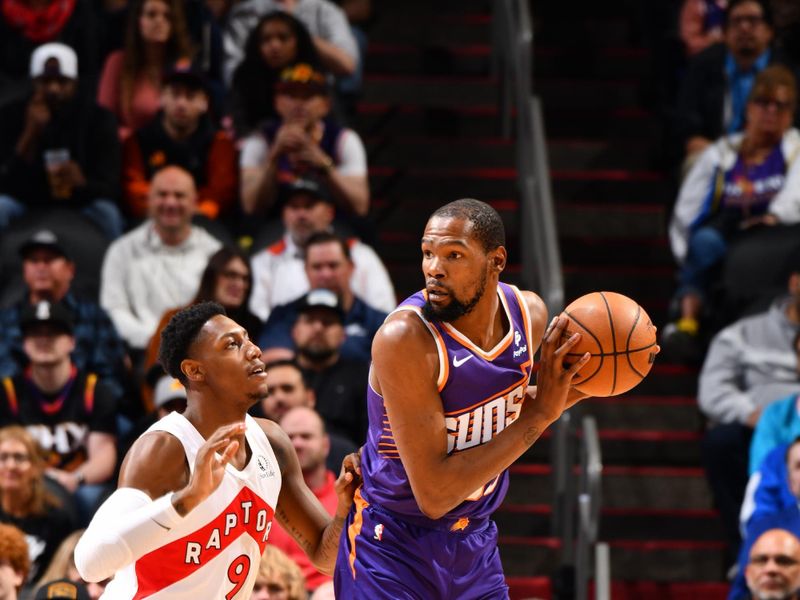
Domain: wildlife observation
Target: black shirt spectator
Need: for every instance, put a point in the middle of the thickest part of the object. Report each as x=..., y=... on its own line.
x=58, y=147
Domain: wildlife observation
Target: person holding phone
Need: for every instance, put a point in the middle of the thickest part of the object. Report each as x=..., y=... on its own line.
x=59, y=148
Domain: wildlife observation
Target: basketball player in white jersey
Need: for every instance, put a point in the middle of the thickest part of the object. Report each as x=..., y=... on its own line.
x=198, y=491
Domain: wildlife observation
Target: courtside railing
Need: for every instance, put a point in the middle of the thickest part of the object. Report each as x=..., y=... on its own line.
x=513, y=65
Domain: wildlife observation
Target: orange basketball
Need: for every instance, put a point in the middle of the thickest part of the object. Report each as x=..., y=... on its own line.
x=618, y=334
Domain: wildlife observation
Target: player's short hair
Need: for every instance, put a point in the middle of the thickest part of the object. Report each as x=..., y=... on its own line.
x=179, y=334
x=14, y=549
x=487, y=226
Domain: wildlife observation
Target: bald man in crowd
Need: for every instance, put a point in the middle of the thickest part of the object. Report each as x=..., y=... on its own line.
x=158, y=265
x=773, y=572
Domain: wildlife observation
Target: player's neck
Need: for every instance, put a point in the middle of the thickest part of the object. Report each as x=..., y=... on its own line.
x=474, y=324
x=51, y=378
x=208, y=416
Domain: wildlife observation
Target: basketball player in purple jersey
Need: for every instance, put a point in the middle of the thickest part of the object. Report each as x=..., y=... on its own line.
x=450, y=408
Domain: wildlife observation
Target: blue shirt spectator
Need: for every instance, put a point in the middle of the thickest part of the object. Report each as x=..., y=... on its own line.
x=779, y=425
x=361, y=323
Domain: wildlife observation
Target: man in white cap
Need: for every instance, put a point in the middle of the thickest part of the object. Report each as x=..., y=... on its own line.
x=58, y=147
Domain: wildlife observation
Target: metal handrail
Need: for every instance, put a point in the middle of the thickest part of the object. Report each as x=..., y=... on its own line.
x=589, y=502
x=512, y=64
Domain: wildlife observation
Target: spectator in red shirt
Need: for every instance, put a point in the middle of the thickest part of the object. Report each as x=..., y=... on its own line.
x=307, y=432
x=182, y=134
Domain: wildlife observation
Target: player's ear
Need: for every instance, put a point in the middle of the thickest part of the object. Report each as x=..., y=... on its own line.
x=498, y=258
x=192, y=369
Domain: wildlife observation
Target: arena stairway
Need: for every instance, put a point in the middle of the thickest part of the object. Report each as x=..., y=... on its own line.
x=430, y=121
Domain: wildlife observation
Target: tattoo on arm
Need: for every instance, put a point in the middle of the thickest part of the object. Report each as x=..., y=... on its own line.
x=298, y=536
x=531, y=435
x=329, y=546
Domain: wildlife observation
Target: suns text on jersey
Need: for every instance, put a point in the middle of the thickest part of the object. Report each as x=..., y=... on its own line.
x=483, y=422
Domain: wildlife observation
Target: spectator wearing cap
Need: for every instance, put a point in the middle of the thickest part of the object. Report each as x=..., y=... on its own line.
x=304, y=142
x=14, y=561
x=338, y=383
x=182, y=134
x=713, y=97
x=58, y=147
x=25, y=24
x=156, y=38
x=328, y=266
x=48, y=271
x=158, y=265
x=69, y=412
x=62, y=589
x=168, y=395
x=279, y=271
x=326, y=22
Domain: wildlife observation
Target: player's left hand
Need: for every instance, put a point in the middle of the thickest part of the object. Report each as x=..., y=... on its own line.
x=348, y=481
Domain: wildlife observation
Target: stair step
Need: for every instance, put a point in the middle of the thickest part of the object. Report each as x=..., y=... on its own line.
x=577, y=94
x=623, y=486
x=459, y=58
x=446, y=153
x=391, y=118
x=640, y=283
x=624, y=524
x=431, y=90
x=404, y=25
x=584, y=153
x=632, y=251
x=611, y=186
x=591, y=62
x=594, y=122
x=633, y=412
x=659, y=561
x=582, y=219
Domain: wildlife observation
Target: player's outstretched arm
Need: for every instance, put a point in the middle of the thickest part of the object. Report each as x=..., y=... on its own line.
x=137, y=517
x=405, y=364
x=299, y=511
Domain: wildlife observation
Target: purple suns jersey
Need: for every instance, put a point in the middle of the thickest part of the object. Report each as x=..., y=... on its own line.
x=482, y=394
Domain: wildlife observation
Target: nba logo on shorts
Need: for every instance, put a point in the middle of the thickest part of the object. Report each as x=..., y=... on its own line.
x=378, y=532
x=264, y=468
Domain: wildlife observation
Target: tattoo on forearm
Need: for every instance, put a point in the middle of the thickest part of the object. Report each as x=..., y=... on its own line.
x=298, y=536
x=531, y=435
x=329, y=546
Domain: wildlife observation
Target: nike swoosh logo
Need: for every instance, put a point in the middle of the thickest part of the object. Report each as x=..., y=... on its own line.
x=457, y=363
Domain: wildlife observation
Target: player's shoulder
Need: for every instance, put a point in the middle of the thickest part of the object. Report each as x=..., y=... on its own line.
x=277, y=438
x=403, y=335
x=156, y=463
x=536, y=305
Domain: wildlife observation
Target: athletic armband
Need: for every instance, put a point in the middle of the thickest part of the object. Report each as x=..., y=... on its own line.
x=126, y=527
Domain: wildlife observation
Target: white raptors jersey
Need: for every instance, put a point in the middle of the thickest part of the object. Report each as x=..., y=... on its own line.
x=215, y=551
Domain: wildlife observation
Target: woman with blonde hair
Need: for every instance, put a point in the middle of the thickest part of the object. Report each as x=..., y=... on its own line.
x=63, y=567
x=156, y=40
x=279, y=578
x=30, y=501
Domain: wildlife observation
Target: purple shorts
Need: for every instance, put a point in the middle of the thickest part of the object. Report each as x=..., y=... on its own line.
x=383, y=556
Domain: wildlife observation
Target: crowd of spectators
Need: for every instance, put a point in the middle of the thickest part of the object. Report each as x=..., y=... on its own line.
x=203, y=141
x=733, y=233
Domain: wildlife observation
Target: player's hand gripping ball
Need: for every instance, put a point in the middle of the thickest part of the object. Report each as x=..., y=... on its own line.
x=618, y=334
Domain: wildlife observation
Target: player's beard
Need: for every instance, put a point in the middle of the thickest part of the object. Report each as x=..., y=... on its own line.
x=456, y=308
